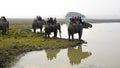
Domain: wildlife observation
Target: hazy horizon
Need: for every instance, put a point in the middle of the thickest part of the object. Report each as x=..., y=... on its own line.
x=59, y=8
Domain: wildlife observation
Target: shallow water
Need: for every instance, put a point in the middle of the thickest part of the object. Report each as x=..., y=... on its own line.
x=101, y=51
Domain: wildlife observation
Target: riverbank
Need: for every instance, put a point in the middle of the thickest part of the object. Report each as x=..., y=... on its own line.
x=21, y=39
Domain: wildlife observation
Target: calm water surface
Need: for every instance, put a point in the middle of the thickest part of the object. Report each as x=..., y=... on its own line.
x=101, y=51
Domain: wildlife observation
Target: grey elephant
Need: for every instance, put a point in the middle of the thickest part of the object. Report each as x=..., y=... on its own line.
x=4, y=26
x=76, y=28
x=52, y=28
x=37, y=24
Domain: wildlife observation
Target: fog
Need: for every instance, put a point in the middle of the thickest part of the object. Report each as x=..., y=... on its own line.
x=59, y=8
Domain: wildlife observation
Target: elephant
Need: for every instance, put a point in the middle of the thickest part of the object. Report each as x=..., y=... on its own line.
x=52, y=28
x=37, y=24
x=77, y=28
x=4, y=27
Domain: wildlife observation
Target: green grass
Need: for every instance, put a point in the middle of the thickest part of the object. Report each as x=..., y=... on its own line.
x=20, y=34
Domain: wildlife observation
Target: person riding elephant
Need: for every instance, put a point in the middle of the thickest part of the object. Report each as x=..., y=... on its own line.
x=75, y=19
x=71, y=19
x=79, y=20
x=39, y=18
x=55, y=20
x=51, y=21
x=4, y=20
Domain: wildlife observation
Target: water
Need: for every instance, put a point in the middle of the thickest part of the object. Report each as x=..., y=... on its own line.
x=101, y=51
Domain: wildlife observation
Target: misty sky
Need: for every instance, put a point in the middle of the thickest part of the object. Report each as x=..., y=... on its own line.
x=58, y=8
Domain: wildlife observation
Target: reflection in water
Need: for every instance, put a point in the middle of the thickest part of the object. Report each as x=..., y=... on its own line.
x=40, y=59
x=52, y=53
x=76, y=55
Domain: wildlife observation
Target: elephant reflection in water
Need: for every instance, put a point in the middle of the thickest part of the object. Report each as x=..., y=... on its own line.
x=76, y=55
x=52, y=53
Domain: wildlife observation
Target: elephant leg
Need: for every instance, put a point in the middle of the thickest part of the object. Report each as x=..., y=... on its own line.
x=34, y=30
x=80, y=34
x=59, y=28
x=73, y=37
x=60, y=32
x=69, y=37
x=55, y=34
x=4, y=30
x=48, y=35
x=40, y=29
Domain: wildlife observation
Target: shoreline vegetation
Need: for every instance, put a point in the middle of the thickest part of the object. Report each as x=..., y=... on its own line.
x=21, y=39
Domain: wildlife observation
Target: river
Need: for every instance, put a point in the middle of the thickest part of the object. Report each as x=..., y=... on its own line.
x=101, y=51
